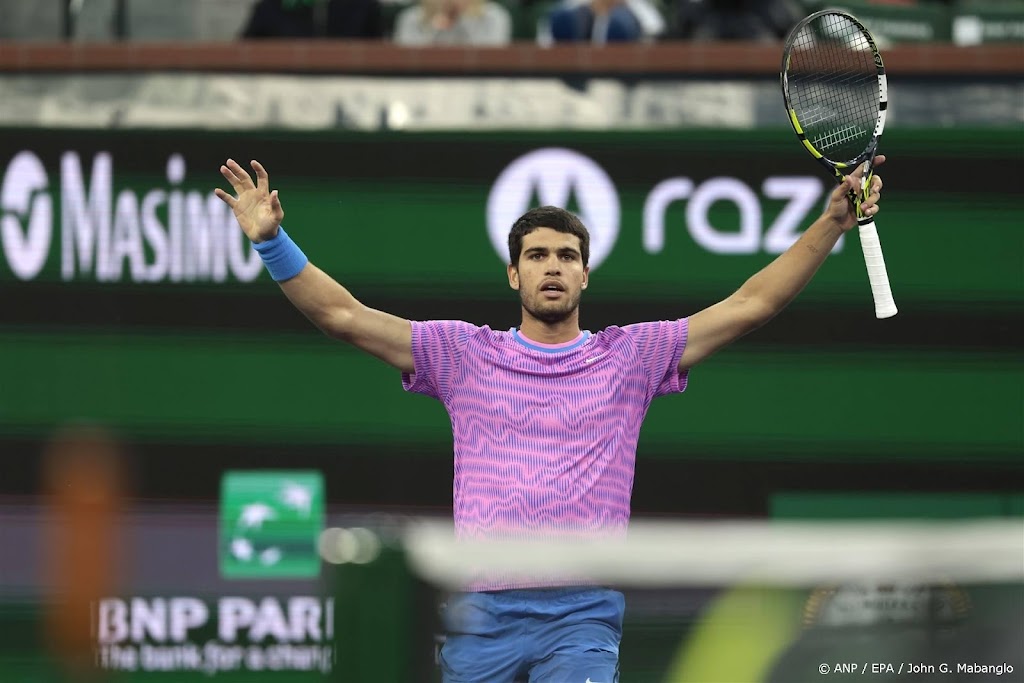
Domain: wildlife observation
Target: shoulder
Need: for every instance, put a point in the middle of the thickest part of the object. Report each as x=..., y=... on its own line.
x=444, y=331
x=656, y=332
x=499, y=339
x=614, y=339
x=460, y=325
x=610, y=334
x=482, y=341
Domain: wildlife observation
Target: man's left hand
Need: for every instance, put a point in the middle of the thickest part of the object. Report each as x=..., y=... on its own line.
x=841, y=209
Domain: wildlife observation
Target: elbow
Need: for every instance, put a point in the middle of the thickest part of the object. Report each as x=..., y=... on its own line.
x=762, y=312
x=756, y=311
x=338, y=323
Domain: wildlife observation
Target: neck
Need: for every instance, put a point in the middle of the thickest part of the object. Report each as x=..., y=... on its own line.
x=550, y=333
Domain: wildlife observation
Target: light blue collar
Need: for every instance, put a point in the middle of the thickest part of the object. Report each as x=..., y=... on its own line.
x=584, y=336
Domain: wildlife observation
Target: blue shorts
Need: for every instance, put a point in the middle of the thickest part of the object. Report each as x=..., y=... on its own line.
x=544, y=635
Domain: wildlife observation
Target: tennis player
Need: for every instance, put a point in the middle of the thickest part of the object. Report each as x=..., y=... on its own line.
x=545, y=417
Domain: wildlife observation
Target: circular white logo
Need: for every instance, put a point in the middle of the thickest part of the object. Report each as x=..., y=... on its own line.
x=557, y=177
x=21, y=197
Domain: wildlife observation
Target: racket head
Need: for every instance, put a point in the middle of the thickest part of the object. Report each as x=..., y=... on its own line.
x=834, y=86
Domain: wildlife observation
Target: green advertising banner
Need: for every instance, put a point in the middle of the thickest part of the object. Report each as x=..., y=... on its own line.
x=269, y=524
x=132, y=299
x=689, y=214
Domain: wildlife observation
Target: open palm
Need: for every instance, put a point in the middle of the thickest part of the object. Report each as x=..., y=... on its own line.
x=257, y=209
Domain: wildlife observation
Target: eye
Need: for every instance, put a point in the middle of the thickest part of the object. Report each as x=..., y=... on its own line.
x=568, y=257
x=535, y=256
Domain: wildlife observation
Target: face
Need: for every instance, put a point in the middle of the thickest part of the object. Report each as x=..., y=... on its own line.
x=550, y=276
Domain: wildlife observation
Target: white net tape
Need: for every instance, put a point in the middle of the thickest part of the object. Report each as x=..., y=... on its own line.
x=663, y=553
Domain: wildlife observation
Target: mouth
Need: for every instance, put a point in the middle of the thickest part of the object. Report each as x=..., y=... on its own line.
x=551, y=289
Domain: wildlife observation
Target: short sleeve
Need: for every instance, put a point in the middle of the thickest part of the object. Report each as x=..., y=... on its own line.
x=437, y=348
x=660, y=346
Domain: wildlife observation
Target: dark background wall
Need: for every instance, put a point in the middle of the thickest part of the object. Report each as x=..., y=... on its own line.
x=145, y=317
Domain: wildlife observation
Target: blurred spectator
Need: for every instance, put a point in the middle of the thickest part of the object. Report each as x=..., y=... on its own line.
x=454, y=22
x=315, y=18
x=85, y=486
x=735, y=19
x=602, y=21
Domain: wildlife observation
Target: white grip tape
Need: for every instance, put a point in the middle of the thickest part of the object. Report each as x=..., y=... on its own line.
x=885, y=307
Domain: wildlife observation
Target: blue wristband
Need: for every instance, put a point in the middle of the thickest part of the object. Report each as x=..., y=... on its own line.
x=282, y=257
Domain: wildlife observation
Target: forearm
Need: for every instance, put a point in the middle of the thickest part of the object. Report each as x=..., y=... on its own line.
x=332, y=308
x=778, y=283
x=323, y=300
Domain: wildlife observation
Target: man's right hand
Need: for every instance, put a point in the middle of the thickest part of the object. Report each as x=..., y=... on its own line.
x=257, y=209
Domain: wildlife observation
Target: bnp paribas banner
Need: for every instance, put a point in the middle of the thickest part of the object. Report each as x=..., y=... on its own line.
x=699, y=211
x=230, y=634
x=270, y=524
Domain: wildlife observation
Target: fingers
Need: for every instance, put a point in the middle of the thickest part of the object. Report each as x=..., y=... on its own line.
x=237, y=176
x=875, y=191
x=875, y=163
x=858, y=184
x=850, y=187
x=869, y=207
x=225, y=197
x=230, y=177
x=856, y=174
x=262, y=179
x=241, y=181
x=853, y=184
x=843, y=189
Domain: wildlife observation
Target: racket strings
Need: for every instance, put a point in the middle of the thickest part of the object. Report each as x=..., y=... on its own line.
x=833, y=86
x=837, y=138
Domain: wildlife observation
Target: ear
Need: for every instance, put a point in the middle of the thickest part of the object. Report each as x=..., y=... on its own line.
x=586, y=276
x=513, y=277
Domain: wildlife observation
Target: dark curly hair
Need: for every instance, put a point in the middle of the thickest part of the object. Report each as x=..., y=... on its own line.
x=547, y=217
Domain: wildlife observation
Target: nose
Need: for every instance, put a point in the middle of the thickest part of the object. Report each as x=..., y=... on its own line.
x=553, y=266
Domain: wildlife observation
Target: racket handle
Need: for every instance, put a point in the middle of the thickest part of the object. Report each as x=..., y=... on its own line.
x=885, y=307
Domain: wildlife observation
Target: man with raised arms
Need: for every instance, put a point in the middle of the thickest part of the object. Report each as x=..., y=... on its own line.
x=545, y=417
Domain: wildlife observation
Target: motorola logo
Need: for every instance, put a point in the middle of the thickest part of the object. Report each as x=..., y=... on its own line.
x=676, y=206
x=556, y=177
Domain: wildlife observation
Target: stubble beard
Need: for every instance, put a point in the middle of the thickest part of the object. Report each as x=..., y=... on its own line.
x=554, y=312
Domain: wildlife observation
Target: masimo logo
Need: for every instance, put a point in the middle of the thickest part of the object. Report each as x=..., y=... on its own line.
x=556, y=177
x=568, y=179
x=153, y=235
x=26, y=225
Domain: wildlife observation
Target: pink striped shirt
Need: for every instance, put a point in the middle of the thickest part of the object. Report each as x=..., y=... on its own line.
x=545, y=435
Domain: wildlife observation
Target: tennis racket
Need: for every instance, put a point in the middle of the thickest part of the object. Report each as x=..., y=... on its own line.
x=833, y=83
